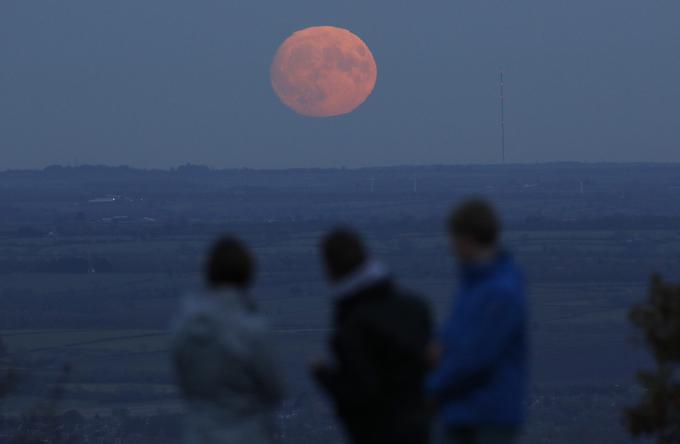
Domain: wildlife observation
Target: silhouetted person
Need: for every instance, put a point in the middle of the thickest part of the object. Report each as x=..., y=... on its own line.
x=379, y=344
x=223, y=356
x=480, y=382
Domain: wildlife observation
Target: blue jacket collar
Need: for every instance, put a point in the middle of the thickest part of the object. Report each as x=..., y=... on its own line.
x=474, y=271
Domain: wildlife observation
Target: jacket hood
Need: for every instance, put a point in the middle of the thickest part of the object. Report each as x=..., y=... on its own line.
x=201, y=311
x=225, y=368
x=370, y=273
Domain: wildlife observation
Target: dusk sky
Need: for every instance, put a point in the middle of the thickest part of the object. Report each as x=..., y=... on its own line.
x=159, y=83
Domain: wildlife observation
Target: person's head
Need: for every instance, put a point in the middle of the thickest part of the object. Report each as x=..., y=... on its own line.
x=343, y=253
x=474, y=230
x=230, y=264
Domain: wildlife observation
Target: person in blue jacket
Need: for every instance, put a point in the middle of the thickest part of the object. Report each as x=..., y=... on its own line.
x=479, y=380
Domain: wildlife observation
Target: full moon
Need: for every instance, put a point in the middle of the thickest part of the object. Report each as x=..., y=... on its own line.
x=323, y=71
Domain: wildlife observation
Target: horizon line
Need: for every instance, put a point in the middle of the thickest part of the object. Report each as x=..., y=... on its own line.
x=197, y=166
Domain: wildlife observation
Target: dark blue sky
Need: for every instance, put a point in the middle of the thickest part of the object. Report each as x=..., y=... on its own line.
x=157, y=83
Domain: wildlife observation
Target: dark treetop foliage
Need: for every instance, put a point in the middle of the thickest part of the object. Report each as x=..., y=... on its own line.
x=658, y=413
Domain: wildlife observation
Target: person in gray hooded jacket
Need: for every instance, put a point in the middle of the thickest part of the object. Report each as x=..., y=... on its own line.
x=224, y=358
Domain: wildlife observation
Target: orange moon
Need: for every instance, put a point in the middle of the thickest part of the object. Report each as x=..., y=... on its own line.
x=323, y=71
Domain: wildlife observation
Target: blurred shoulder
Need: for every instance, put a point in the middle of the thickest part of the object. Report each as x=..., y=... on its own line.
x=256, y=323
x=411, y=302
x=228, y=309
x=507, y=285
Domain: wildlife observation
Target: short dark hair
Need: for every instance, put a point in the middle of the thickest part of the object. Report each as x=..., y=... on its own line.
x=475, y=219
x=343, y=251
x=230, y=263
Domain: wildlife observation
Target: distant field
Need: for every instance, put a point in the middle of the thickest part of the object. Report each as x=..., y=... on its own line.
x=95, y=285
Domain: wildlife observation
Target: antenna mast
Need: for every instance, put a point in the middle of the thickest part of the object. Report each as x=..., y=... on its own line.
x=502, y=87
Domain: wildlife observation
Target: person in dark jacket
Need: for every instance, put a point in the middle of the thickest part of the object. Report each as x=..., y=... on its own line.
x=379, y=347
x=480, y=382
